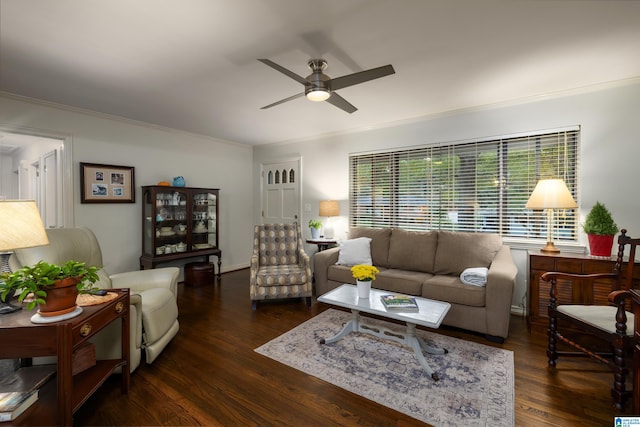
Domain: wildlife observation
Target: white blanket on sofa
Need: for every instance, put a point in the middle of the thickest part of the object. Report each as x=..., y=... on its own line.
x=476, y=276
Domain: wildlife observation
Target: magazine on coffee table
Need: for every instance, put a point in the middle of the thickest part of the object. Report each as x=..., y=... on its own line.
x=399, y=302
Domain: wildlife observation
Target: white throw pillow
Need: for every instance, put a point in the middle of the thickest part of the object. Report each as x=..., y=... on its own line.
x=355, y=251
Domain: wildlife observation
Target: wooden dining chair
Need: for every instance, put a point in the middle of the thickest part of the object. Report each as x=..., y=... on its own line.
x=612, y=323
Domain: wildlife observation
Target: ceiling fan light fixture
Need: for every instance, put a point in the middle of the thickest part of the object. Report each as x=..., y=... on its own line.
x=318, y=95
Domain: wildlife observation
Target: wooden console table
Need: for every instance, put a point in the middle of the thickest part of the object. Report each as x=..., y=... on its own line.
x=578, y=293
x=59, y=399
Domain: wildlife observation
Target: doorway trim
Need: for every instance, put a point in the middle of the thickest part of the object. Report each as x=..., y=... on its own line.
x=66, y=175
x=265, y=165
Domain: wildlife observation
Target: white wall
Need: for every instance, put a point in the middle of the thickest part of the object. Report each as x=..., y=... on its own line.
x=610, y=149
x=158, y=154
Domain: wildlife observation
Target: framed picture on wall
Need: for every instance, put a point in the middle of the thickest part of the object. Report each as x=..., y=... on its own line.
x=107, y=183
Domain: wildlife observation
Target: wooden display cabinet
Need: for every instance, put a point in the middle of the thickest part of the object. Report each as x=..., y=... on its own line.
x=179, y=223
x=579, y=293
x=59, y=398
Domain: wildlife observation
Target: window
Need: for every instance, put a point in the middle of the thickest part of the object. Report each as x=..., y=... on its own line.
x=479, y=186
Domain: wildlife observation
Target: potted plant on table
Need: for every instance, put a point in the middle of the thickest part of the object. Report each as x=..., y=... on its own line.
x=600, y=228
x=364, y=275
x=54, y=287
x=315, y=226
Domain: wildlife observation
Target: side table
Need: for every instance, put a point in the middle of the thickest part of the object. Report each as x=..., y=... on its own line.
x=576, y=293
x=322, y=243
x=59, y=399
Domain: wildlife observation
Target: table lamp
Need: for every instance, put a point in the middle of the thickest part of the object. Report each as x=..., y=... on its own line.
x=550, y=194
x=329, y=208
x=20, y=227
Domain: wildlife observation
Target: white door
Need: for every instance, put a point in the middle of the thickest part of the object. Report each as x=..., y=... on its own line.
x=281, y=192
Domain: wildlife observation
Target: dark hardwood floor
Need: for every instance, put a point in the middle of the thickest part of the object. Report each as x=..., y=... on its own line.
x=210, y=375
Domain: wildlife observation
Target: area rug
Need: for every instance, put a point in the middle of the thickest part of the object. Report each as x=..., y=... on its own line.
x=476, y=386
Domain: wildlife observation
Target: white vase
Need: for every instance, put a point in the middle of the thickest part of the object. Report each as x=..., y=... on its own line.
x=364, y=287
x=315, y=233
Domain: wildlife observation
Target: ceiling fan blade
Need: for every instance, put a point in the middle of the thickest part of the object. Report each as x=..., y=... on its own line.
x=361, y=77
x=298, y=95
x=341, y=103
x=284, y=71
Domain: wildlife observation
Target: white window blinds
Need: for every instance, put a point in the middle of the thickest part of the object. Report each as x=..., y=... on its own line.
x=479, y=186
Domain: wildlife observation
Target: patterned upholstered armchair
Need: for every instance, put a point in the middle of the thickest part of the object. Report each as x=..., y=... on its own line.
x=280, y=268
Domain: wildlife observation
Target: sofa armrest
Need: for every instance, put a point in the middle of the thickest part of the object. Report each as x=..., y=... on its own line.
x=321, y=263
x=166, y=277
x=499, y=292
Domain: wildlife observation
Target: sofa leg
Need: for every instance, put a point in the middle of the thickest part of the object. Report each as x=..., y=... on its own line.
x=308, y=301
x=494, y=338
x=254, y=305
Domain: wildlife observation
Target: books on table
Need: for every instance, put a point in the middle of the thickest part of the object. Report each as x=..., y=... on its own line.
x=20, y=390
x=398, y=302
x=14, y=403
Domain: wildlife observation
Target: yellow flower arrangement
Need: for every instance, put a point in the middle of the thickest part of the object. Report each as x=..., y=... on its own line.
x=363, y=272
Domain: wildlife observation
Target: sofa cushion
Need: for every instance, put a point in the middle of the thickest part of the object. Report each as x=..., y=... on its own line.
x=281, y=275
x=379, y=243
x=457, y=251
x=452, y=290
x=355, y=251
x=340, y=274
x=401, y=281
x=412, y=250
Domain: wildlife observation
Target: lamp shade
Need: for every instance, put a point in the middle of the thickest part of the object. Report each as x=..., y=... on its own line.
x=329, y=208
x=551, y=194
x=20, y=225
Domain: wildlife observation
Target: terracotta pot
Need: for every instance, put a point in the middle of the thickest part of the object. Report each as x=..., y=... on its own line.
x=600, y=245
x=61, y=297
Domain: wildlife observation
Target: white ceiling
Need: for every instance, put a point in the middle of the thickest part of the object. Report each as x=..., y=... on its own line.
x=191, y=64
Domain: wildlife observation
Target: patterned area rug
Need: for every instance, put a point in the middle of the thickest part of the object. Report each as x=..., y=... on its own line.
x=476, y=386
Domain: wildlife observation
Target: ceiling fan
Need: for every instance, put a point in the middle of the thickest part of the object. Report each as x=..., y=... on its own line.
x=320, y=87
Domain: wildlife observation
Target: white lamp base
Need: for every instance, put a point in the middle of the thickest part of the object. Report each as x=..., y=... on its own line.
x=328, y=232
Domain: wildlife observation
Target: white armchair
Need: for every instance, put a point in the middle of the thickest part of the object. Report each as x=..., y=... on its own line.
x=153, y=311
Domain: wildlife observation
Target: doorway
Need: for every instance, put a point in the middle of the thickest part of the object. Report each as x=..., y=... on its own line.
x=281, y=183
x=36, y=166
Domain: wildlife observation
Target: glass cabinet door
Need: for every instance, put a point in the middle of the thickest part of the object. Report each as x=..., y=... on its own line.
x=203, y=221
x=170, y=233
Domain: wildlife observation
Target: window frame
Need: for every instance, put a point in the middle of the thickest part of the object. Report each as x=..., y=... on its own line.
x=514, y=162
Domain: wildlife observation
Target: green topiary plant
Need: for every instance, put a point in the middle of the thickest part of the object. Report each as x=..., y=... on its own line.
x=314, y=223
x=599, y=221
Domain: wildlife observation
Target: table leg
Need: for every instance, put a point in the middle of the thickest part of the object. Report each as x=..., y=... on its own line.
x=418, y=344
x=351, y=326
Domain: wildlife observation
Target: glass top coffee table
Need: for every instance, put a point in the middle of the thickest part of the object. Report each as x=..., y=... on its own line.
x=430, y=314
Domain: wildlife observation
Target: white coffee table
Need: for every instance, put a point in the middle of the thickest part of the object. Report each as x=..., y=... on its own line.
x=431, y=314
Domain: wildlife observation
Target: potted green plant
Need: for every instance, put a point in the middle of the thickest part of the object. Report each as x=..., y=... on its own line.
x=49, y=283
x=600, y=228
x=315, y=226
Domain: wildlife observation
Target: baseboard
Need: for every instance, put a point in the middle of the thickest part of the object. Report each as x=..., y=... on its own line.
x=229, y=268
x=518, y=310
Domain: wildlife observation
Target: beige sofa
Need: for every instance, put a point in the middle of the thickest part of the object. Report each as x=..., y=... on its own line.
x=429, y=264
x=153, y=313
